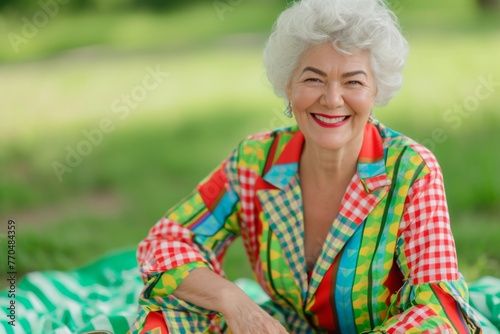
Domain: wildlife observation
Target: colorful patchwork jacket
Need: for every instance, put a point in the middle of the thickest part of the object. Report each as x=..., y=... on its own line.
x=388, y=264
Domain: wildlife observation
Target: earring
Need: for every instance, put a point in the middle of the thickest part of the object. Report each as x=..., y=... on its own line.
x=288, y=111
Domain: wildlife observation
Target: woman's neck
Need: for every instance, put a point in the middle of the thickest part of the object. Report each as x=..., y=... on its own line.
x=325, y=166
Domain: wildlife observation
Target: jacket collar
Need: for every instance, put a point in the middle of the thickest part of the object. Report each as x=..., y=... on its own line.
x=371, y=161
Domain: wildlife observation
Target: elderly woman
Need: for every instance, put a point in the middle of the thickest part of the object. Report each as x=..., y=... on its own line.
x=344, y=221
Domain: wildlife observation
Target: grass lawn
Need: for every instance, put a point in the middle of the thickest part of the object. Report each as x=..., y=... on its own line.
x=211, y=93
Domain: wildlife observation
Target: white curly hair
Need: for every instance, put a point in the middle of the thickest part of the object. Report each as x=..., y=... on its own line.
x=352, y=26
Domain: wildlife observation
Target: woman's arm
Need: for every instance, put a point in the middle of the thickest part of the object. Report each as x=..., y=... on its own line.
x=193, y=234
x=181, y=259
x=434, y=298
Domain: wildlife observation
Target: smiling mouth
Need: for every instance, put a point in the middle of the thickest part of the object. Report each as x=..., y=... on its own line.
x=328, y=121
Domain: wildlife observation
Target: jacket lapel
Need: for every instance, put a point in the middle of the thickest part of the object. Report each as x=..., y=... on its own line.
x=356, y=206
x=282, y=209
x=282, y=206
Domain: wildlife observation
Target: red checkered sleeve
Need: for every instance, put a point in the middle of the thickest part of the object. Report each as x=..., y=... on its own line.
x=428, y=252
x=169, y=245
x=195, y=233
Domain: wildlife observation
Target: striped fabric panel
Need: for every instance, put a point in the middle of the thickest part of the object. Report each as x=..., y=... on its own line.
x=100, y=296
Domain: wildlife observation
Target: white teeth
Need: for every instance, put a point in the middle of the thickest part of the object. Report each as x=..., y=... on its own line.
x=330, y=120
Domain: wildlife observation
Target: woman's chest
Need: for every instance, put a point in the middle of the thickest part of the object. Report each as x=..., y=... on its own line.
x=320, y=211
x=321, y=203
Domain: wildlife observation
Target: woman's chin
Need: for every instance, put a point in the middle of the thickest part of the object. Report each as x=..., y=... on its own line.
x=333, y=144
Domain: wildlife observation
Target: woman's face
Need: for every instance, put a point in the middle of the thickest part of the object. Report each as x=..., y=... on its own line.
x=332, y=95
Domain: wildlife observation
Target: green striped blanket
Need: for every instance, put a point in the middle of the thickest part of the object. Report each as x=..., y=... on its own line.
x=103, y=296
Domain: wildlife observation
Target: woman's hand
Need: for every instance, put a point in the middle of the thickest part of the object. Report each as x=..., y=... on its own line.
x=204, y=288
x=244, y=316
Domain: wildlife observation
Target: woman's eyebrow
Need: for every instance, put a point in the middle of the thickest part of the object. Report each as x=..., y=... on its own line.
x=353, y=73
x=315, y=70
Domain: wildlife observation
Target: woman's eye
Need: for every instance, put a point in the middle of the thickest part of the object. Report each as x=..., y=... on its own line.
x=354, y=82
x=313, y=80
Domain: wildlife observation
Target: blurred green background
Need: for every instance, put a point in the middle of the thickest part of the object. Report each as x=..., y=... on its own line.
x=74, y=70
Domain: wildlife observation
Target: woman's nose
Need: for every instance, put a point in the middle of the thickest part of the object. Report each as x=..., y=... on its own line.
x=332, y=96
